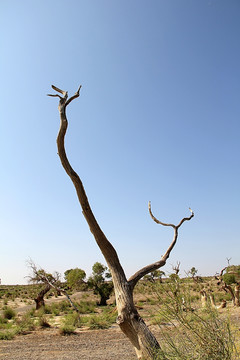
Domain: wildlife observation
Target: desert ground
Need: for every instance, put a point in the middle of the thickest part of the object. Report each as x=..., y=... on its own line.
x=84, y=343
x=108, y=344
x=48, y=344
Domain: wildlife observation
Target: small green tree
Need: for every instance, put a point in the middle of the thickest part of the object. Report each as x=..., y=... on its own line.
x=75, y=278
x=98, y=282
x=193, y=272
x=229, y=279
x=230, y=282
x=155, y=275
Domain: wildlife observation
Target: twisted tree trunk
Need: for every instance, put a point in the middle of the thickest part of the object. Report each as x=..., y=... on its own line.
x=233, y=290
x=39, y=300
x=130, y=322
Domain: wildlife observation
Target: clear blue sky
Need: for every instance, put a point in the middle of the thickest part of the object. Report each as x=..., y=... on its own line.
x=157, y=119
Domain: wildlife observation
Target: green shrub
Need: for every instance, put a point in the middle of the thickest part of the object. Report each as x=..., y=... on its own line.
x=3, y=320
x=98, y=322
x=75, y=278
x=192, y=333
x=9, y=313
x=55, y=310
x=7, y=335
x=73, y=319
x=101, y=321
x=43, y=322
x=5, y=323
x=64, y=306
x=25, y=324
x=47, y=309
x=67, y=330
x=86, y=307
x=229, y=279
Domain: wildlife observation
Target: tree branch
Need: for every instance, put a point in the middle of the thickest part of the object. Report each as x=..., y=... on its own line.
x=155, y=219
x=76, y=95
x=149, y=268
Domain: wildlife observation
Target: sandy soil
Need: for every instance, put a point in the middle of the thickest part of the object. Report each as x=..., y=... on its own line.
x=108, y=344
x=48, y=344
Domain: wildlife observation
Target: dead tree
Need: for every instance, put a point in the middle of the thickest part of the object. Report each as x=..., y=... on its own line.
x=176, y=268
x=228, y=261
x=232, y=290
x=130, y=322
x=51, y=281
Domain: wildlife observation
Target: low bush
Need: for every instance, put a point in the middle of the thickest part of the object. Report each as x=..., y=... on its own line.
x=7, y=335
x=43, y=322
x=3, y=320
x=9, y=313
x=73, y=319
x=25, y=324
x=86, y=307
x=67, y=330
x=102, y=321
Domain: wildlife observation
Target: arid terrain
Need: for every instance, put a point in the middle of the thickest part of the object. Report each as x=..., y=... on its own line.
x=48, y=344
x=96, y=336
x=108, y=344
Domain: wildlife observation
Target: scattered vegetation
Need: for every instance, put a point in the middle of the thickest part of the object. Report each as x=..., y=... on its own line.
x=172, y=303
x=9, y=313
x=187, y=328
x=67, y=330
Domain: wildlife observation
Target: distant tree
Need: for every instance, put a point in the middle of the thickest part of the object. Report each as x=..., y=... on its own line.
x=40, y=276
x=176, y=268
x=98, y=282
x=75, y=278
x=66, y=273
x=155, y=275
x=160, y=275
x=228, y=261
x=229, y=280
x=193, y=272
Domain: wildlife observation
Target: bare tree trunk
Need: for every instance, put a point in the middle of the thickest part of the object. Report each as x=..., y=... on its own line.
x=203, y=298
x=229, y=289
x=236, y=295
x=130, y=322
x=222, y=305
x=51, y=281
x=212, y=300
x=40, y=298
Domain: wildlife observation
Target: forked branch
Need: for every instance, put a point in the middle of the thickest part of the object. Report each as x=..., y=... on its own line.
x=147, y=269
x=128, y=318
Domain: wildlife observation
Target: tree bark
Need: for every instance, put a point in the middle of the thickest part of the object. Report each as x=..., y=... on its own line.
x=222, y=305
x=236, y=295
x=130, y=322
x=40, y=298
x=212, y=300
x=203, y=298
